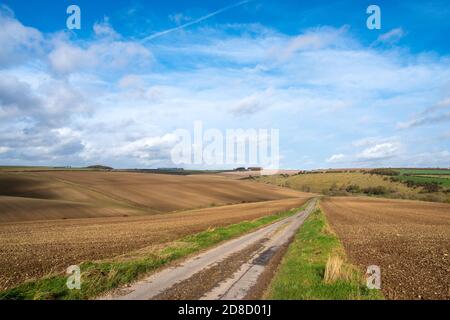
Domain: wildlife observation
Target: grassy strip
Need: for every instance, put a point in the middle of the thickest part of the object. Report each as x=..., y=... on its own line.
x=302, y=271
x=100, y=277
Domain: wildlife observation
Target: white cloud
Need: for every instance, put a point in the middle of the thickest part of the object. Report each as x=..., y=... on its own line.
x=104, y=29
x=148, y=150
x=18, y=42
x=40, y=144
x=369, y=151
x=379, y=151
x=66, y=57
x=314, y=39
x=4, y=149
x=101, y=98
x=253, y=103
x=105, y=53
x=336, y=158
x=136, y=88
x=16, y=97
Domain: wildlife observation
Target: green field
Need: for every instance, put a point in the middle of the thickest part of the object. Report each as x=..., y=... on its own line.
x=443, y=182
x=423, y=176
x=424, y=171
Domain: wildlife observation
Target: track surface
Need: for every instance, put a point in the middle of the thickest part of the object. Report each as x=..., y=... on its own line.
x=214, y=274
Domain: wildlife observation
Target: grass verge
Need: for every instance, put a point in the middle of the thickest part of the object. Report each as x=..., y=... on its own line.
x=102, y=276
x=314, y=267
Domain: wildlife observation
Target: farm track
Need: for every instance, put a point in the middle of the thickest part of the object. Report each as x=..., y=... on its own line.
x=36, y=248
x=228, y=271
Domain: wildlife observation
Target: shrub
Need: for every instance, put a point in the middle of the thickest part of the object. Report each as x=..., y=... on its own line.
x=430, y=187
x=434, y=198
x=353, y=188
x=305, y=188
x=379, y=190
x=384, y=172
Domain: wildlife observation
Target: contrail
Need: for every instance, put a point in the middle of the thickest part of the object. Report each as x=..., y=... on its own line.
x=159, y=34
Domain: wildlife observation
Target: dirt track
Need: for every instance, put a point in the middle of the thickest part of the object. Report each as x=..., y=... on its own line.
x=35, y=248
x=409, y=240
x=228, y=271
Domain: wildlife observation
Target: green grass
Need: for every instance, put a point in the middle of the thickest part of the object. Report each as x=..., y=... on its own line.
x=444, y=182
x=100, y=277
x=439, y=176
x=301, y=272
x=424, y=171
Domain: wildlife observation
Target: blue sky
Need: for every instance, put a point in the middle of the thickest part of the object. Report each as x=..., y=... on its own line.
x=114, y=92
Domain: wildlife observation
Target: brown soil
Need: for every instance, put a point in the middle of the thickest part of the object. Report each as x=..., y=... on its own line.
x=26, y=196
x=36, y=248
x=409, y=240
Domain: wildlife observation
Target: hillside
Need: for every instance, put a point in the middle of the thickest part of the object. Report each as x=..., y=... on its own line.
x=86, y=194
x=354, y=182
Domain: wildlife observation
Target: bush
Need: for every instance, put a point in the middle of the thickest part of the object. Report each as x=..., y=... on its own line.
x=434, y=198
x=353, y=188
x=380, y=190
x=430, y=187
x=384, y=172
x=305, y=188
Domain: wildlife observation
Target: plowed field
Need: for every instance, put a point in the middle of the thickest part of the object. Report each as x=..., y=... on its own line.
x=409, y=240
x=36, y=248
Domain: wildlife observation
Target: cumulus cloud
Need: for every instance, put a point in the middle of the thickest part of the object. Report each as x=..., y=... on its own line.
x=379, y=151
x=148, y=150
x=50, y=104
x=16, y=97
x=66, y=57
x=18, y=42
x=369, y=151
x=40, y=144
x=321, y=81
x=137, y=89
